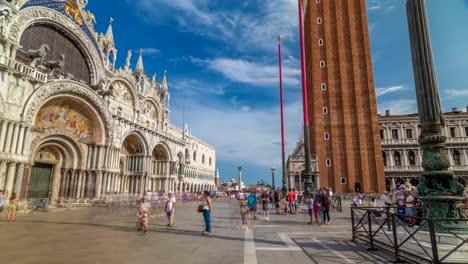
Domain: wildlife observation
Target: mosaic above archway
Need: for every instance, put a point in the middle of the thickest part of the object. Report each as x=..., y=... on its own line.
x=122, y=92
x=132, y=145
x=66, y=115
x=149, y=109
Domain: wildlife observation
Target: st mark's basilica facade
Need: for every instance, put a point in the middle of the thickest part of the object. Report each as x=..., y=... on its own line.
x=72, y=125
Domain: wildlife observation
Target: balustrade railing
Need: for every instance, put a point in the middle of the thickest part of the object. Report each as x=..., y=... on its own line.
x=23, y=69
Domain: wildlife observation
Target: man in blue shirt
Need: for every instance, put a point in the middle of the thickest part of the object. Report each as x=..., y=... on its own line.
x=252, y=200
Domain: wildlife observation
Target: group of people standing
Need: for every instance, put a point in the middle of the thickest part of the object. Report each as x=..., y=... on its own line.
x=11, y=204
x=317, y=204
x=143, y=205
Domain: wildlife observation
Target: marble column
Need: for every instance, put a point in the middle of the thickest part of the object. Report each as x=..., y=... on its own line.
x=56, y=183
x=19, y=178
x=8, y=138
x=98, y=184
x=80, y=182
x=3, y=171
x=441, y=193
x=10, y=179
x=26, y=142
x=3, y=132
x=19, y=147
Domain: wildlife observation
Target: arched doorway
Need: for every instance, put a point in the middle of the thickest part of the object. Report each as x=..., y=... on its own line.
x=357, y=187
x=414, y=182
x=132, y=153
x=66, y=131
x=160, y=168
x=387, y=185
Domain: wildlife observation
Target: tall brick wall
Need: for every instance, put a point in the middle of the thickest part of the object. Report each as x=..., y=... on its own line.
x=352, y=121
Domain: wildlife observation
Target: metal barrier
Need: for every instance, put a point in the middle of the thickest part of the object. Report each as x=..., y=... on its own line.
x=430, y=241
x=39, y=204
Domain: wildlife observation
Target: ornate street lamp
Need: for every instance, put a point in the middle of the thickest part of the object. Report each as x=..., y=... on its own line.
x=441, y=193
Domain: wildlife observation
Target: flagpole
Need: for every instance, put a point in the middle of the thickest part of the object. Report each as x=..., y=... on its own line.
x=309, y=184
x=286, y=184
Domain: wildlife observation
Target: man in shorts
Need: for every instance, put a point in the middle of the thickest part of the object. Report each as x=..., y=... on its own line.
x=170, y=208
x=292, y=200
x=265, y=202
x=252, y=204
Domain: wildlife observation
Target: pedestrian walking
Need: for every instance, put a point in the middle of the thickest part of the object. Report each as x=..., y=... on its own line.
x=12, y=208
x=244, y=212
x=252, y=201
x=143, y=215
x=265, y=203
x=207, y=210
x=310, y=206
x=170, y=208
x=2, y=201
x=277, y=202
x=409, y=202
x=326, y=202
x=292, y=200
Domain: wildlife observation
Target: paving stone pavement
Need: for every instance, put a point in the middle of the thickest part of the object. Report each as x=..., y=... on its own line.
x=108, y=235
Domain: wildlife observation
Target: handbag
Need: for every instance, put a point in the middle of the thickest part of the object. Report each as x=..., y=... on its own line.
x=244, y=209
x=200, y=208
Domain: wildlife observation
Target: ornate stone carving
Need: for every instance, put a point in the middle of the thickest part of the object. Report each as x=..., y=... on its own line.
x=31, y=15
x=67, y=87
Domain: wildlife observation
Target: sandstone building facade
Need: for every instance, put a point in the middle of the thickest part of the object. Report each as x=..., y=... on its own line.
x=342, y=103
x=402, y=154
x=72, y=125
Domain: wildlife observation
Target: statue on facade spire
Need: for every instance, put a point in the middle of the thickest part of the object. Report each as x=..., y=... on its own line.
x=127, y=61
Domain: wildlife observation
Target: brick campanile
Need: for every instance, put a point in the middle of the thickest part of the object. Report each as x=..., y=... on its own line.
x=344, y=128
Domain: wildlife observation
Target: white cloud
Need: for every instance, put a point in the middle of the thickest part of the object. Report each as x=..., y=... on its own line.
x=191, y=86
x=381, y=5
x=456, y=93
x=390, y=89
x=401, y=106
x=234, y=26
x=253, y=73
x=249, y=136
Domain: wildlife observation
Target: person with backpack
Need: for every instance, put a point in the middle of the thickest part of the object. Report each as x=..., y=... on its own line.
x=252, y=200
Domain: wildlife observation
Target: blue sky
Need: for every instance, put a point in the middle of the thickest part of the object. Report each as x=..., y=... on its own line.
x=221, y=62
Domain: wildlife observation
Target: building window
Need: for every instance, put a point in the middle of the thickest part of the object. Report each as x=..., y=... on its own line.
x=194, y=156
x=384, y=157
x=203, y=159
x=395, y=133
x=326, y=136
x=456, y=157
x=411, y=158
x=409, y=133
x=209, y=161
x=452, y=132
x=343, y=180
x=325, y=111
x=320, y=42
x=466, y=131
x=396, y=158
x=382, y=134
x=323, y=86
x=328, y=163
x=322, y=64
x=319, y=20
